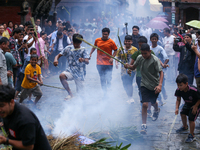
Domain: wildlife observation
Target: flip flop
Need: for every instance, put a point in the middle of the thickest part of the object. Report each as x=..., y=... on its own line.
x=68, y=97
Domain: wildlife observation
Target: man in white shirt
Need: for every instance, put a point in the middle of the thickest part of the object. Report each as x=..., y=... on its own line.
x=168, y=42
x=60, y=42
x=38, y=24
x=30, y=38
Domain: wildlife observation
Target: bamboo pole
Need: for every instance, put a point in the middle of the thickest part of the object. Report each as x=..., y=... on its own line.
x=172, y=126
x=100, y=50
x=32, y=20
x=122, y=49
x=53, y=87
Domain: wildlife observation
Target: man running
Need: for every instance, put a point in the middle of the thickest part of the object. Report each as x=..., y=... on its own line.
x=104, y=62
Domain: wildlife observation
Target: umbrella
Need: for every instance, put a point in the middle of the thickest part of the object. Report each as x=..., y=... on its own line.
x=163, y=14
x=194, y=23
x=156, y=24
x=160, y=19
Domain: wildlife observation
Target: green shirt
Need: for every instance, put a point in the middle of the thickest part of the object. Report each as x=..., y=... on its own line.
x=134, y=57
x=149, y=69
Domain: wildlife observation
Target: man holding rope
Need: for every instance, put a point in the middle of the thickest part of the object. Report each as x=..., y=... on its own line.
x=105, y=62
x=76, y=61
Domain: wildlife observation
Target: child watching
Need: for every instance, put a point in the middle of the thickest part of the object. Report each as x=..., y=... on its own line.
x=191, y=108
x=32, y=77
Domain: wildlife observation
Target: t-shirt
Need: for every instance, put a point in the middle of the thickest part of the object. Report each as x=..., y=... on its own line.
x=128, y=53
x=3, y=68
x=33, y=72
x=190, y=97
x=75, y=67
x=134, y=57
x=23, y=125
x=160, y=53
x=107, y=46
x=168, y=43
x=10, y=62
x=32, y=46
x=150, y=69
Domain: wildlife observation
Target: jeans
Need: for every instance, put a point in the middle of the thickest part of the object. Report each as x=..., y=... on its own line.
x=105, y=73
x=171, y=69
x=190, y=78
x=62, y=63
x=16, y=71
x=128, y=83
x=138, y=81
x=20, y=78
x=51, y=60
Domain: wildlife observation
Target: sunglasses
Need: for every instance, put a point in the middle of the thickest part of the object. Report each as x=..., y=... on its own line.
x=31, y=29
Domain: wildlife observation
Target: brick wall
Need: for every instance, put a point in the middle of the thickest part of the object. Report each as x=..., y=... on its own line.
x=9, y=13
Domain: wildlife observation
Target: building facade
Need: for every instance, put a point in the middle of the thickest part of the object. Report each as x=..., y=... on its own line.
x=185, y=10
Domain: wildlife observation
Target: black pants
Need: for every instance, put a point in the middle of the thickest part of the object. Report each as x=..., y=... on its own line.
x=105, y=73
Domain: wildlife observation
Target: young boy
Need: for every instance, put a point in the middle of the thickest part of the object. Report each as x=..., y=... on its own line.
x=21, y=74
x=162, y=55
x=32, y=77
x=127, y=80
x=191, y=108
x=151, y=82
x=76, y=61
x=141, y=40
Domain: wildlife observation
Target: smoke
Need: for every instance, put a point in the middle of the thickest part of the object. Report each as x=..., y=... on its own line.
x=92, y=111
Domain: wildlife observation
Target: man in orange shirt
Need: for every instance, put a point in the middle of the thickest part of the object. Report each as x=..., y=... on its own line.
x=105, y=62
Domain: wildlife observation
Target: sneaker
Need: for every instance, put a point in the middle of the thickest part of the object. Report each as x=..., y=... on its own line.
x=149, y=114
x=181, y=129
x=143, y=129
x=130, y=101
x=190, y=139
x=155, y=115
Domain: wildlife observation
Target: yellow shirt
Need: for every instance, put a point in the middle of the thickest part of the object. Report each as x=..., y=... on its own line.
x=6, y=34
x=33, y=72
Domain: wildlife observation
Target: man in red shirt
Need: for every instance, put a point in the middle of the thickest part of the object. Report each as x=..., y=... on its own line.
x=105, y=62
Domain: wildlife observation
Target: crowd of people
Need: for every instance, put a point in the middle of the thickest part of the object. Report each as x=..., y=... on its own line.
x=30, y=53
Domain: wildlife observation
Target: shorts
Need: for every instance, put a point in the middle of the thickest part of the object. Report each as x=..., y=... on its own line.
x=148, y=95
x=78, y=82
x=36, y=91
x=187, y=110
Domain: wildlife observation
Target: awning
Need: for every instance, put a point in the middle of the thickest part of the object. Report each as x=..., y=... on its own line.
x=155, y=5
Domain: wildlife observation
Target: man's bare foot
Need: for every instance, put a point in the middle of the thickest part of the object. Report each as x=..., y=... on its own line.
x=68, y=97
